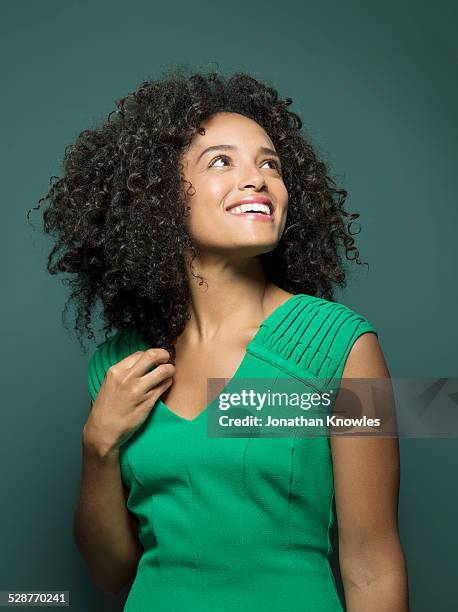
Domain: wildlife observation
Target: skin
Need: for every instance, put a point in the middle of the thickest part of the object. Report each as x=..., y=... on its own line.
x=229, y=245
x=239, y=297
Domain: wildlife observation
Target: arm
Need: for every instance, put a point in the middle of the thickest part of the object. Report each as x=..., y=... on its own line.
x=104, y=530
x=366, y=477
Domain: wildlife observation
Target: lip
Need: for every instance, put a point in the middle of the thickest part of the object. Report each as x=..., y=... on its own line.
x=253, y=200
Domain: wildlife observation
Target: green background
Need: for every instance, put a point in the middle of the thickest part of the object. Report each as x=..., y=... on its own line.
x=375, y=84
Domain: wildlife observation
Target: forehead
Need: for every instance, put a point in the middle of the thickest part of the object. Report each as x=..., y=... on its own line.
x=230, y=128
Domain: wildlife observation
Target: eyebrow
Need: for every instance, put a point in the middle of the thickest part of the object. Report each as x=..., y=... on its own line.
x=265, y=150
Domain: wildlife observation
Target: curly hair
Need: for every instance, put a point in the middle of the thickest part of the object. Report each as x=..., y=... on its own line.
x=118, y=210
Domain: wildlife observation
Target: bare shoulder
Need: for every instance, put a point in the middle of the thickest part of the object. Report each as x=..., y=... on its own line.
x=366, y=359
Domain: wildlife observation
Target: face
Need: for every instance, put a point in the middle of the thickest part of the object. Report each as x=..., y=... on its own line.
x=234, y=160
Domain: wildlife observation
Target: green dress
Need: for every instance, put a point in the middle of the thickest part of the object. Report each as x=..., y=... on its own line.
x=232, y=524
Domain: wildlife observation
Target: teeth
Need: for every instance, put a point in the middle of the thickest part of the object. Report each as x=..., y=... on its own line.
x=251, y=207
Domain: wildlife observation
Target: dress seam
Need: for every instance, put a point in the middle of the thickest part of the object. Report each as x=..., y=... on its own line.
x=139, y=482
x=150, y=529
x=196, y=548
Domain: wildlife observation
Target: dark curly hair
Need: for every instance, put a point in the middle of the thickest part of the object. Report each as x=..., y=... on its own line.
x=118, y=210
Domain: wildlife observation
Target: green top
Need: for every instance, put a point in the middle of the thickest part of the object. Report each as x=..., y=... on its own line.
x=229, y=524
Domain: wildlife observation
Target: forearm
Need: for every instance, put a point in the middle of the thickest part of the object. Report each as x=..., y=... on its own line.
x=381, y=587
x=101, y=522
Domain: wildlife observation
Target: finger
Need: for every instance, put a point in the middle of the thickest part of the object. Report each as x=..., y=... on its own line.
x=148, y=361
x=154, y=393
x=162, y=373
x=131, y=359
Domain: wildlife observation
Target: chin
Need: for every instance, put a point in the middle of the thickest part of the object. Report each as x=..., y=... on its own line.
x=240, y=242
x=254, y=247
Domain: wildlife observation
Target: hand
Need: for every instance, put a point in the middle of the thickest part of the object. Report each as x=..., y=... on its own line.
x=128, y=392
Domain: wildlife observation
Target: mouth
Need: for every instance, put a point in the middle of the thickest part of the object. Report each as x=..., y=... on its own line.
x=260, y=209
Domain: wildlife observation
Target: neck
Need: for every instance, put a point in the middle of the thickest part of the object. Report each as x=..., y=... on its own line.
x=233, y=297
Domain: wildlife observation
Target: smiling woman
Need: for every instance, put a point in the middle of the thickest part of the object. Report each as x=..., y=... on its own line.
x=206, y=179
x=119, y=210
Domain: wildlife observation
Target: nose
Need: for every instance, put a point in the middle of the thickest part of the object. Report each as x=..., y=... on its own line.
x=252, y=177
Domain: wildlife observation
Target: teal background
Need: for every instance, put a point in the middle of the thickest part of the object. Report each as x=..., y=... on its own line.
x=375, y=85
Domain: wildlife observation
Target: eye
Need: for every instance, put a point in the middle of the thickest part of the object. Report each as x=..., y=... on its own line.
x=226, y=158
x=274, y=162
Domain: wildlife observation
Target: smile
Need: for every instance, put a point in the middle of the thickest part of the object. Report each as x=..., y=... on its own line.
x=255, y=211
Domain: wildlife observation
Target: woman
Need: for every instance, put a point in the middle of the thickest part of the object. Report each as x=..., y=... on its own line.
x=154, y=217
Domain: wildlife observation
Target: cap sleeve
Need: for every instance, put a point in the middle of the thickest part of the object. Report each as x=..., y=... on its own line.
x=312, y=336
x=110, y=352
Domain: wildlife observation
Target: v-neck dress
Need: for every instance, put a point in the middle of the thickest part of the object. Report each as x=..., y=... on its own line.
x=239, y=523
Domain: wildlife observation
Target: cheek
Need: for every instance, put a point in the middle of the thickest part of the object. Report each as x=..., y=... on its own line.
x=283, y=193
x=284, y=198
x=210, y=195
x=213, y=189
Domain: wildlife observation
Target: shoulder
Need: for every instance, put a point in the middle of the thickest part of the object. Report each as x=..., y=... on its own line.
x=315, y=334
x=353, y=339
x=117, y=346
x=335, y=318
x=327, y=309
x=114, y=349
x=366, y=359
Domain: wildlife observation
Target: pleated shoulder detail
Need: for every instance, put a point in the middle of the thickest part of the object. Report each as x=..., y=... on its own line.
x=312, y=336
